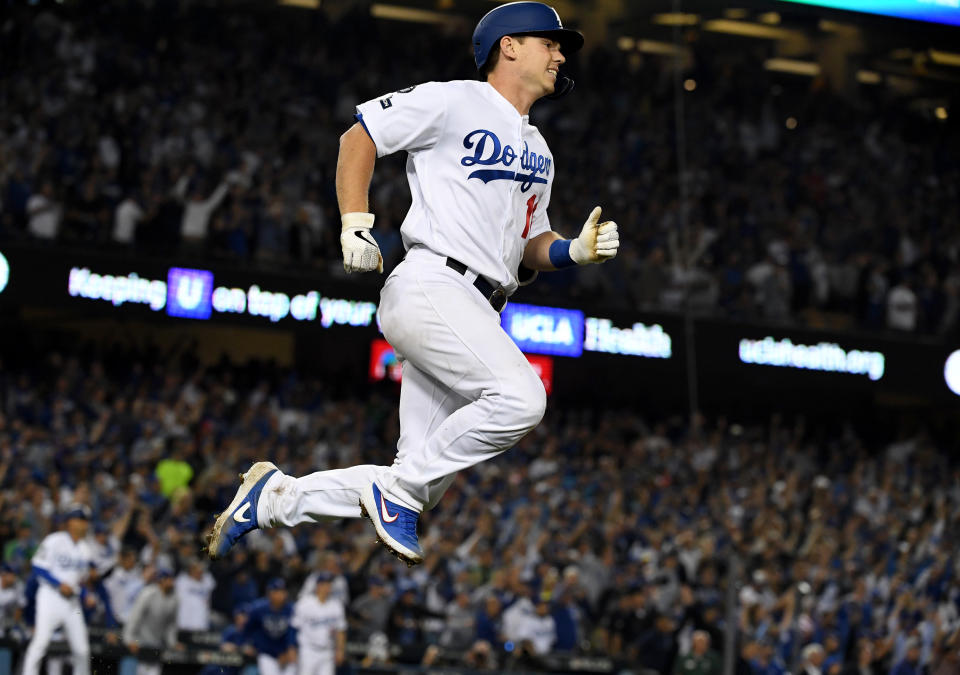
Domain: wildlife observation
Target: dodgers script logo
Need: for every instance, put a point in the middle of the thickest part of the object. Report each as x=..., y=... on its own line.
x=488, y=151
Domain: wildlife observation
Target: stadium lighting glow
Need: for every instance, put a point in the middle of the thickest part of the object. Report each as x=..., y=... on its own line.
x=411, y=14
x=676, y=19
x=4, y=272
x=935, y=11
x=951, y=372
x=748, y=29
x=792, y=66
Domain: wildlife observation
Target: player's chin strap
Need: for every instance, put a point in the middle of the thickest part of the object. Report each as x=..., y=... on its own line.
x=563, y=86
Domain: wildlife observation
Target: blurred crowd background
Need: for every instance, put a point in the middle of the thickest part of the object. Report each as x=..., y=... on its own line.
x=602, y=533
x=211, y=134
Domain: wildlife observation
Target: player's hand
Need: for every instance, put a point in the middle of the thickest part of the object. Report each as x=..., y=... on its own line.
x=597, y=243
x=66, y=591
x=360, y=250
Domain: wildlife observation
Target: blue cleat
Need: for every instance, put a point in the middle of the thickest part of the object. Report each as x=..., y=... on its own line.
x=396, y=525
x=240, y=517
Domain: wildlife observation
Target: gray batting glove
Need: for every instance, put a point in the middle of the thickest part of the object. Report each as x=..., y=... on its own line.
x=360, y=250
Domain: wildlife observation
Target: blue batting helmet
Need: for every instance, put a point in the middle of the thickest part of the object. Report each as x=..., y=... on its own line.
x=516, y=18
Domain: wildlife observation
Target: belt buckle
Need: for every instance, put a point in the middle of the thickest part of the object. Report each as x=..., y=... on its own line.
x=498, y=299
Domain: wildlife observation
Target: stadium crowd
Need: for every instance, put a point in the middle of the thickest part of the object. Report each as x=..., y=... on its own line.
x=207, y=133
x=600, y=534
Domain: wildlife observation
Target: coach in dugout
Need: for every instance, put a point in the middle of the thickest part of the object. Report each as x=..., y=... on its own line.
x=62, y=563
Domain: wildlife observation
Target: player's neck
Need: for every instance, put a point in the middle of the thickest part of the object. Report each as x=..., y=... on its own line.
x=516, y=94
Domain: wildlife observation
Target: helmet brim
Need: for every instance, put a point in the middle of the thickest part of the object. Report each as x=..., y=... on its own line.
x=570, y=40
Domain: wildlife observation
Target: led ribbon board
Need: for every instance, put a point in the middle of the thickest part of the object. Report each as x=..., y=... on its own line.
x=544, y=330
x=191, y=294
x=934, y=11
x=825, y=357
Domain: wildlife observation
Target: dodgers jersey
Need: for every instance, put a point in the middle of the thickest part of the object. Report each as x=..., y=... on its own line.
x=316, y=622
x=480, y=174
x=269, y=629
x=60, y=559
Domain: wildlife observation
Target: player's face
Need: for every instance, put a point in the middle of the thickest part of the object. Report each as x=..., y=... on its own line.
x=540, y=60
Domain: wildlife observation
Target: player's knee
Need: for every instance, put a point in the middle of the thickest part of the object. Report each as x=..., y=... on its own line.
x=528, y=401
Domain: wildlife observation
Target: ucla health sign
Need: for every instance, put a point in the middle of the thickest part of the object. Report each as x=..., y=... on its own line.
x=191, y=294
x=544, y=330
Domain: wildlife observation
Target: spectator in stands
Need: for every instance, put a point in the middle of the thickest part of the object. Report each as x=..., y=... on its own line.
x=700, y=660
x=152, y=623
x=44, y=212
x=124, y=583
x=194, y=588
x=812, y=658
x=12, y=600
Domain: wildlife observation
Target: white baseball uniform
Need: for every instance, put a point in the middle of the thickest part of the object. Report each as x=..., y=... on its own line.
x=317, y=624
x=480, y=177
x=194, y=596
x=60, y=559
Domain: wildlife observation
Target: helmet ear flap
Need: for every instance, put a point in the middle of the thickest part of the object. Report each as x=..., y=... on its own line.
x=563, y=86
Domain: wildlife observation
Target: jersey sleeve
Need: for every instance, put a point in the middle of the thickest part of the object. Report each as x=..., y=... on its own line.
x=42, y=561
x=410, y=119
x=341, y=622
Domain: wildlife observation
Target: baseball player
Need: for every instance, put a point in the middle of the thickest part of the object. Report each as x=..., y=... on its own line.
x=269, y=631
x=62, y=563
x=480, y=178
x=321, y=625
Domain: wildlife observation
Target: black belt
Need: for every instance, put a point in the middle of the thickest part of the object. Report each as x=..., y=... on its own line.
x=496, y=296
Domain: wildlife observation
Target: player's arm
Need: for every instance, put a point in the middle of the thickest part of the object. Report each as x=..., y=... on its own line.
x=340, y=653
x=42, y=563
x=597, y=243
x=355, y=163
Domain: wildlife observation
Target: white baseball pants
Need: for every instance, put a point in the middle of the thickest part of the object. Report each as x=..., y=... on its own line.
x=267, y=665
x=467, y=395
x=316, y=661
x=54, y=611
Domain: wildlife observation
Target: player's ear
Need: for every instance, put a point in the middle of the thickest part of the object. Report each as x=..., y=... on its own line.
x=508, y=47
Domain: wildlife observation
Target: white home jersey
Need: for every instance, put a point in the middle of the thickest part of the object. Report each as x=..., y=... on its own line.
x=317, y=622
x=123, y=587
x=62, y=559
x=480, y=174
x=194, y=597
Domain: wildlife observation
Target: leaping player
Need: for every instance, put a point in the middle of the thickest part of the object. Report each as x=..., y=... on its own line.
x=480, y=177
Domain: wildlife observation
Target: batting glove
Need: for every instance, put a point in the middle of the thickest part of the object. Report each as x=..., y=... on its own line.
x=598, y=242
x=360, y=250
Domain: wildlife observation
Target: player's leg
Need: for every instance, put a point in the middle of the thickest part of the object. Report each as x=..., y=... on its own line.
x=437, y=320
x=267, y=665
x=286, y=500
x=425, y=403
x=55, y=665
x=50, y=609
x=76, y=630
x=149, y=668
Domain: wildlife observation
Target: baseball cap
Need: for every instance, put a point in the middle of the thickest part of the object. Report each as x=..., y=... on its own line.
x=164, y=573
x=324, y=577
x=276, y=584
x=81, y=511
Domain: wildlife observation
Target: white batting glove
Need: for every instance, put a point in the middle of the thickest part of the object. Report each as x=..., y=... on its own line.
x=360, y=250
x=597, y=243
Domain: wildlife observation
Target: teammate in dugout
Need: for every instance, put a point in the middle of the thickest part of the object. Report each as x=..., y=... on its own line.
x=480, y=178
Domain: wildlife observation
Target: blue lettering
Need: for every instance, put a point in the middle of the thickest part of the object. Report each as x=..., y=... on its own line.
x=481, y=144
x=489, y=151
